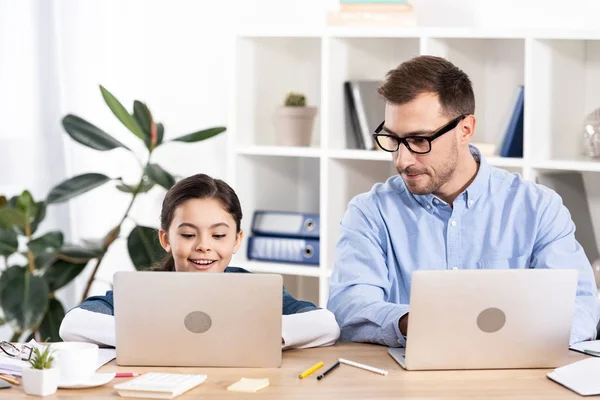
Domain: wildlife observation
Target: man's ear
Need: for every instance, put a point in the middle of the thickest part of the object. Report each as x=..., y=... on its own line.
x=164, y=240
x=467, y=129
x=238, y=241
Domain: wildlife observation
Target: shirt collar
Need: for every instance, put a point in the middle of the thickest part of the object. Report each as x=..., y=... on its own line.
x=473, y=191
x=482, y=179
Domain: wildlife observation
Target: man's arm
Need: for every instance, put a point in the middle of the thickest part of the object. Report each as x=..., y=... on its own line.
x=360, y=282
x=556, y=247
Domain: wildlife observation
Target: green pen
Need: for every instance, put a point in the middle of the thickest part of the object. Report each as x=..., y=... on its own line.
x=592, y=352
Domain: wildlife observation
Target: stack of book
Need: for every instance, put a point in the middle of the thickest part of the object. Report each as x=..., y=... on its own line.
x=373, y=13
x=284, y=236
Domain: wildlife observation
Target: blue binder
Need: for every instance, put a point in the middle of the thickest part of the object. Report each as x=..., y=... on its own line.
x=285, y=224
x=512, y=145
x=299, y=251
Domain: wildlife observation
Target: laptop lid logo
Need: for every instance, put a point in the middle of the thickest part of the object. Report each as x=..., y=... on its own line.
x=197, y=322
x=491, y=320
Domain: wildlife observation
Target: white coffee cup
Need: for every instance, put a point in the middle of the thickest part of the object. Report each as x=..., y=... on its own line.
x=76, y=360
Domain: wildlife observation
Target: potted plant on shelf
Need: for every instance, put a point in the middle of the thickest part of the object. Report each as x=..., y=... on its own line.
x=41, y=379
x=294, y=121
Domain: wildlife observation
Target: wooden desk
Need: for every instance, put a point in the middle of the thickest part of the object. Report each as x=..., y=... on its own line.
x=347, y=382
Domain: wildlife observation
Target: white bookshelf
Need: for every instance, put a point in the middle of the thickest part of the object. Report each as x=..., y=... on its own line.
x=560, y=71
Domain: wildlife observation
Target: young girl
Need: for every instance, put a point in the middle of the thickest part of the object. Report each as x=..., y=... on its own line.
x=200, y=229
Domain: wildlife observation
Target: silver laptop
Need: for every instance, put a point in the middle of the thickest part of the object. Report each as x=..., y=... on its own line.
x=194, y=319
x=484, y=319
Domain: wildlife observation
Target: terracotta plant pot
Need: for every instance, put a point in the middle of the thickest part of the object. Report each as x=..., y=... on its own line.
x=294, y=125
x=40, y=382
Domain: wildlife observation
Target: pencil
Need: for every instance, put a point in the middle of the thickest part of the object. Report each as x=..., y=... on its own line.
x=363, y=366
x=311, y=370
x=324, y=374
x=9, y=379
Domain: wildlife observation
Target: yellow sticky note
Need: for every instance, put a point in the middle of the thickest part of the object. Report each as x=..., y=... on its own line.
x=248, y=385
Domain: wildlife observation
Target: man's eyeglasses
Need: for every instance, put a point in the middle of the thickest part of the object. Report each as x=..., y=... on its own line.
x=416, y=144
x=10, y=350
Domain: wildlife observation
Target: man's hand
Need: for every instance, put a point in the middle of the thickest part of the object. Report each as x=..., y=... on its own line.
x=403, y=324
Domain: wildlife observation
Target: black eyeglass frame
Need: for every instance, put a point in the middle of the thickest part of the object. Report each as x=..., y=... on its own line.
x=439, y=132
x=23, y=354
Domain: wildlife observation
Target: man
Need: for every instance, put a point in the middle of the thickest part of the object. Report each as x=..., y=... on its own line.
x=447, y=209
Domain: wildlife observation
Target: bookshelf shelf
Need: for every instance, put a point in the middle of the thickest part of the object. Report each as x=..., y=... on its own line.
x=506, y=162
x=286, y=151
x=582, y=165
x=560, y=70
x=282, y=268
x=352, y=154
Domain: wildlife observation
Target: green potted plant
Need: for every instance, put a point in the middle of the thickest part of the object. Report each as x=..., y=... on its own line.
x=294, y=121
x=35, y=265
x=41, y=379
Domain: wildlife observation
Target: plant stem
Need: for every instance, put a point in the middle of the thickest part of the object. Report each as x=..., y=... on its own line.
x=29, y=252
x=110, y=242
x=91, y=280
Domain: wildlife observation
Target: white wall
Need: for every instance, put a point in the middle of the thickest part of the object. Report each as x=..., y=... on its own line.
x=172, y=54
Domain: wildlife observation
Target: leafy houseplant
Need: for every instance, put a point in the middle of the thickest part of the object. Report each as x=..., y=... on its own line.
x=37, y=266
x=42, y=378
x=295, y=121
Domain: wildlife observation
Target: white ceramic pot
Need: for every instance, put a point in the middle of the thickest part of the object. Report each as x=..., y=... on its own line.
x=294, y=125
x=40, y=382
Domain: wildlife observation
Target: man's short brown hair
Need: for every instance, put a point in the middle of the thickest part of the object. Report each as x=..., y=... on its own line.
x=429, y=74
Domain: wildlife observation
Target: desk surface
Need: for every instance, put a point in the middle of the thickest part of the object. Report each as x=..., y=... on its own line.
x=347, y=382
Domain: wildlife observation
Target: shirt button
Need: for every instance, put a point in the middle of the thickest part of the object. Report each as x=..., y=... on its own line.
x=399, y=341
x=435, y=201
x=455, y=268
x=470, y=202
x=453, y=223
x=429, y=206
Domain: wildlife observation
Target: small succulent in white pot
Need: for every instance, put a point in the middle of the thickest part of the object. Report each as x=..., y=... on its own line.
x=41, y=378
x=294, y=121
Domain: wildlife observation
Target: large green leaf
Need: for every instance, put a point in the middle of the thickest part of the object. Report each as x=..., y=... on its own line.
x=9, y=242
x=146, y=186
x=24, y=298
x=89, y=135
x=47, y=243
x=51, y=323
x=200, y=135
x=45, y=260
x=12, y=203
x=27, y=205
x=160, y=176
x=39, y=216
x=79, y=254
x=121, y=113
x=75, y=186
x=160, y=133
x=60, y=273
x=144, y=247
x=11, y=218
x=142, y=115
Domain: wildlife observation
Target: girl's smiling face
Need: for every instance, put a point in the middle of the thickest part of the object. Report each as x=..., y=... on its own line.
x=202, y=236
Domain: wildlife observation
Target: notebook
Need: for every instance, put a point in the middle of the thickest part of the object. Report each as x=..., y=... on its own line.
x=154, y=385
x=581, y=376
x=592, y=346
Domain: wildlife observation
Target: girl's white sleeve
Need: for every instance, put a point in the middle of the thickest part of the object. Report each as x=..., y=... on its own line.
x=81, y=325
x=309, y=329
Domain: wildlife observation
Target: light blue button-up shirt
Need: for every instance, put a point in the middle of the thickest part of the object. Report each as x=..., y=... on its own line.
x=499, y=221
